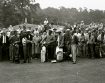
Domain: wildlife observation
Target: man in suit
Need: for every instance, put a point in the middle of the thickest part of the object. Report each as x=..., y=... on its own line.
x=29, y=47
x=22, y=46
x=14, y=53
x=5, y=46
x=50, y=45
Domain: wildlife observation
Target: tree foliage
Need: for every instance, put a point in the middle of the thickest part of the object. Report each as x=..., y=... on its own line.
x=72, y=15
x=13, y=12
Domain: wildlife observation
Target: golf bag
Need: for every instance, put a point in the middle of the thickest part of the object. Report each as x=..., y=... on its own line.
x=59, y=53
x=43, y=54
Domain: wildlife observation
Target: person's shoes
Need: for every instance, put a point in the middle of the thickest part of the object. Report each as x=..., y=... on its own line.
x=24, y=61
x=92, y=58
x=36, y=58
x=74, y=62
x=11, y=62
x=29, y=61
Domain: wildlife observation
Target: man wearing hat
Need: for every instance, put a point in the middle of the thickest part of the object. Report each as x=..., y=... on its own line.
x=21, y=45
x=14, y=40
x=50, y=44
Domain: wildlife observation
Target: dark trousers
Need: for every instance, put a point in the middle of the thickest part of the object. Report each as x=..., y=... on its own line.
x=67, y=50
x=91, y=50
x=21, y=53
x=86, y=50
x=97, y=51
x=50, y=52
x=82, y=50
x=27, y=49
x=16, y=57
x=29, y=52
x=24, y=52
x=0, y=53
x=33, y=50
x=11, y=51
x=5, y=52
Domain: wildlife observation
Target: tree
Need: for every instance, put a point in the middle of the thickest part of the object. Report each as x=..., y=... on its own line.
x=26, y=8
x=14, y=12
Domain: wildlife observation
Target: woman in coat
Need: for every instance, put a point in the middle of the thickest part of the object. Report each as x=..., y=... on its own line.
x=37, y=48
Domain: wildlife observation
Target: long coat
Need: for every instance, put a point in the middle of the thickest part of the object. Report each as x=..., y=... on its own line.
x=36, y=41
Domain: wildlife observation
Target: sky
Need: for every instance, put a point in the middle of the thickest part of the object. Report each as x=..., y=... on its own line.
x=90, y=4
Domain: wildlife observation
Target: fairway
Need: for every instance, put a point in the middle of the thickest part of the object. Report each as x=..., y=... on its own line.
x=85, y=71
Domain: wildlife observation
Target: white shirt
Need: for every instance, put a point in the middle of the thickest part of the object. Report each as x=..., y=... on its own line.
x=4, y=39
x=36, y=32
x=99, y=38
x=86, y=36
x=8, y=33
x=78, y=35
x=24, y=40
x=45, y=22
x=39, y=28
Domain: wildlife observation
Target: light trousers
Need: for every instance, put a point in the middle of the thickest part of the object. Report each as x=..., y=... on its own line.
x=74, y=52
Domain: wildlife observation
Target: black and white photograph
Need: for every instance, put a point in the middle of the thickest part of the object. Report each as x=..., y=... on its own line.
x=52, y=41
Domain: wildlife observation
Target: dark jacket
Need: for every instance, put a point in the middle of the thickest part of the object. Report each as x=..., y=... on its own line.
x=7, y=41
x=29, y=38
x=50, y=40
x=75, y=39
